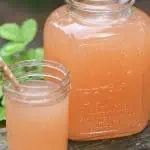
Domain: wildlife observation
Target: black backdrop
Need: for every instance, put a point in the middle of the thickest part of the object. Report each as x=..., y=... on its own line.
x=16, y=10
x=19, y=10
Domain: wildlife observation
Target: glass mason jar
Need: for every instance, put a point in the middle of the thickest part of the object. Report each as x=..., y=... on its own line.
x=37, y=115
x=105, y=45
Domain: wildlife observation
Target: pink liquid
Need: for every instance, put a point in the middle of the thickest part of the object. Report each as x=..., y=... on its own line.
x=107, y=64
x=37, y=126
x=146, y=95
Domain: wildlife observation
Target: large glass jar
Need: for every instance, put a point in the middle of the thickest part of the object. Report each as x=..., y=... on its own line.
x=104, y=43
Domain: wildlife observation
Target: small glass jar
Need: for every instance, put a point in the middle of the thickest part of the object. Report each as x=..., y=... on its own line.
x=37, y=114
x=105, y=45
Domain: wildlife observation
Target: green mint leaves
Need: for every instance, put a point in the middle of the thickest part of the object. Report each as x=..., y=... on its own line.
x=29, y=30
x=24, y=33
x=10, y=31
x=18, y=37
x=2, y=113
x=34, y=54
x=11, y=48
x=16, y=48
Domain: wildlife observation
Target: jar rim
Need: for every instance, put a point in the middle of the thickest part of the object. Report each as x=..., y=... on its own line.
x=102, y=7
x=60, y=90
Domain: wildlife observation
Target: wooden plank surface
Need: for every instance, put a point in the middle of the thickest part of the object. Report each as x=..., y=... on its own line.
x=137, y=142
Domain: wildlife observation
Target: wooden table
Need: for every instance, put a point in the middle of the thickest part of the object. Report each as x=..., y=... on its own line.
x=137, y=142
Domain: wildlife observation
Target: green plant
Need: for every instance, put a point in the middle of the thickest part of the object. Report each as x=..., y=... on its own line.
x=16, y=48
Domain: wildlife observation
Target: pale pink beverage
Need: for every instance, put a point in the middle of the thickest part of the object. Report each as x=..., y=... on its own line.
x=106, y=46
x=37, y=116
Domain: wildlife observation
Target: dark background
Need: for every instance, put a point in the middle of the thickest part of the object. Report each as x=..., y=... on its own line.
x=19, y=10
